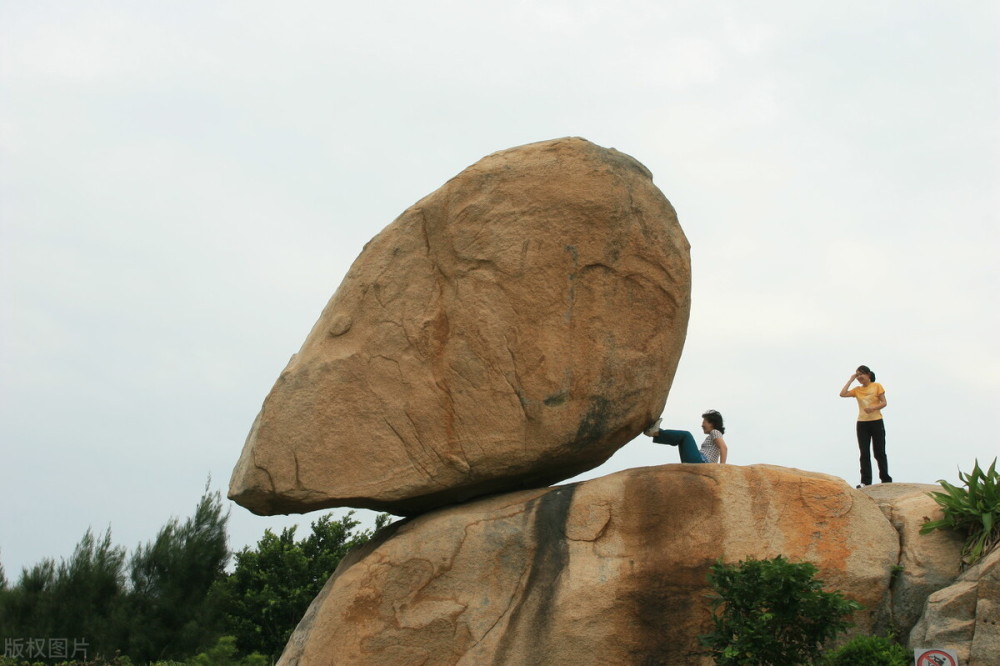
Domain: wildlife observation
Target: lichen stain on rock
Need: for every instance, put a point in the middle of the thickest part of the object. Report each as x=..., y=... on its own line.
x=533, y=613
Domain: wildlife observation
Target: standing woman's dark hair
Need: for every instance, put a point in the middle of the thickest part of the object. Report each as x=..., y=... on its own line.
x=868, y=371
x=715, y=418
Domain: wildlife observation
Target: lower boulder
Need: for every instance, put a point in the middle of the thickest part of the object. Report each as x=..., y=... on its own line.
x=609, y=571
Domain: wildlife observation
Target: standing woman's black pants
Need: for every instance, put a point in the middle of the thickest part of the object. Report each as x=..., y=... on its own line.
x=873, y=432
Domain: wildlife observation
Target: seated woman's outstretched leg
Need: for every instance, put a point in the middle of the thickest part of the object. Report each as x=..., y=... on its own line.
x=684, y=442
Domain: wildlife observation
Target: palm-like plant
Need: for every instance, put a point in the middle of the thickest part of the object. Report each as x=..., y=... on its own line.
x=973, y=510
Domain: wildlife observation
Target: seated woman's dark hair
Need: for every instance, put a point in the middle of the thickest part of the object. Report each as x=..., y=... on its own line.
x=868, y=371
x=715, y=418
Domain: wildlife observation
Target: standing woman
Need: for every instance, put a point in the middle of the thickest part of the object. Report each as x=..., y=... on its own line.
x=713, y=449
x=871, y=399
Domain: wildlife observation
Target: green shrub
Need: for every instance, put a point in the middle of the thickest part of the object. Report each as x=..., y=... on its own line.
x=271, y=587
x=772, y=612
x=224, y=653
x=870, y=651
x=973, y=511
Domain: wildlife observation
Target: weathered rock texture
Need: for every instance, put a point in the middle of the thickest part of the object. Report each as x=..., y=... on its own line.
x=927, y=562
x=609, y=571
x=510, y=330
x=965, y=616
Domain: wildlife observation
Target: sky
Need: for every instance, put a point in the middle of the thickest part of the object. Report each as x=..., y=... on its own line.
x=184, y=185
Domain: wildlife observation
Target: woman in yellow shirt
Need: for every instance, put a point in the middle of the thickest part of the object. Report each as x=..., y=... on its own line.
x=871, y=430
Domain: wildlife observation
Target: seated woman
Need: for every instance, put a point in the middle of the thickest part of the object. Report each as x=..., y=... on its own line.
x=713, y=449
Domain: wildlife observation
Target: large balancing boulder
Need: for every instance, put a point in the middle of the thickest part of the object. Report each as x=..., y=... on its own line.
x=510, y=330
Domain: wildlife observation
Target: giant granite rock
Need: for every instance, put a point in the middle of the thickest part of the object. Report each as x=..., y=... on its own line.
x=965, y=616
x=608, y=571
x=510, y=330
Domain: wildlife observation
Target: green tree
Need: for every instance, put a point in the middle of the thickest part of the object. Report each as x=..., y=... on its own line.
x=75, y=598
x=172, y=598
x=772, y=613
x=29, y=603
x=89, y=589
x=272, y=586
x=169, y=611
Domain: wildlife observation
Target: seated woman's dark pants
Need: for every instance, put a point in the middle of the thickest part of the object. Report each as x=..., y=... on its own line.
x=684, y=442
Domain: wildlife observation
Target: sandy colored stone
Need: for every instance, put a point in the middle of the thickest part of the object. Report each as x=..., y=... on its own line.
x=965, y=616
x=510, y=330
x=608, y=571
x=928, y=562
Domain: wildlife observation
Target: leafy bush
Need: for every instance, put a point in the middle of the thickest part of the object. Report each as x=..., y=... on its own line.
x=973, y=510
x=772, y=612
x=224, y=653
x=870, y=651
x=272, y=586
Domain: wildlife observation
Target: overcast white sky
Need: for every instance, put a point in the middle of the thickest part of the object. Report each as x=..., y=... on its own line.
x=183, y=186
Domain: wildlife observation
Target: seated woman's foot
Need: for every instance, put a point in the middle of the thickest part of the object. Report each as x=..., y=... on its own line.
x=653, y=428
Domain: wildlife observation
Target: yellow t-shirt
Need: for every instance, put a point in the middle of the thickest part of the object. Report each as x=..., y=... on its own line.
x=868, y=396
